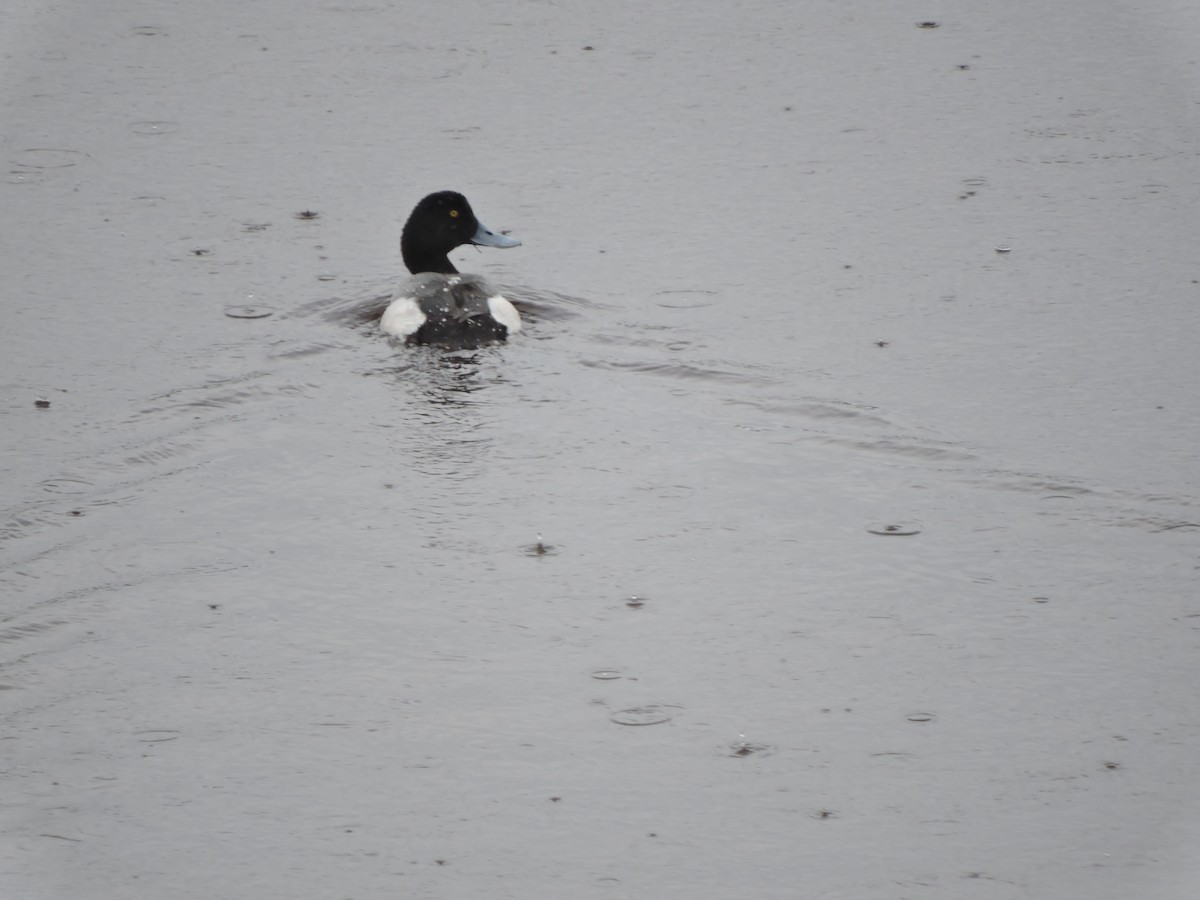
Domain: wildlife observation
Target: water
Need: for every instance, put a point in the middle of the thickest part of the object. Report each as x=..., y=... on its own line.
x=911, y=523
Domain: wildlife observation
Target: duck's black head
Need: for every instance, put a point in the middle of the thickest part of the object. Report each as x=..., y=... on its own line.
x=438, y=224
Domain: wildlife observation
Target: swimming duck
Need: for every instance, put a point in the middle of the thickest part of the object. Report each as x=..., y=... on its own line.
x=438, y=305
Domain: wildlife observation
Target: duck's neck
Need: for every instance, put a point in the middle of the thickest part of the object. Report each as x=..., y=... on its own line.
x=423, y=259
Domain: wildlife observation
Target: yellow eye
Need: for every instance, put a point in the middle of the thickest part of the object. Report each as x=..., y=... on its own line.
x=454, y=213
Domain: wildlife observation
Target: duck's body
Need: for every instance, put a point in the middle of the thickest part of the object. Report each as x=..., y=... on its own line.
x=437, y=305
x=452, y=310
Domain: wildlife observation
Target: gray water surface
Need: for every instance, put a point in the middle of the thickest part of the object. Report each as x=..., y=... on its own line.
x=856, y=417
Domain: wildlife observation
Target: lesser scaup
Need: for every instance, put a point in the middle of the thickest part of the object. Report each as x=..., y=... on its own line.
x=437, y=305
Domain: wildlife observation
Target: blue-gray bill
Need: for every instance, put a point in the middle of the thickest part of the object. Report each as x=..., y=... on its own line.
x=485, y=237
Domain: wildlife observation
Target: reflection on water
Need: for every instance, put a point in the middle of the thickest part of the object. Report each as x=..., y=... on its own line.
x=440, y=418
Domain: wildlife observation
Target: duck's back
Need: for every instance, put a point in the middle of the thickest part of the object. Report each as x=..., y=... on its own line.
x=458, y=311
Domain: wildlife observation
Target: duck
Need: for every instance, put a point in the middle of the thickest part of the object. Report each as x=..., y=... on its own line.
x=438, y=304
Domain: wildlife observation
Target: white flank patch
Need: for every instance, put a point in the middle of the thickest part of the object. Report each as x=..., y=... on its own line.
x=402, y=317
x=504, y=313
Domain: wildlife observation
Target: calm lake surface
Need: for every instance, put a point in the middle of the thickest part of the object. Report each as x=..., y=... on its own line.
x=831, y=532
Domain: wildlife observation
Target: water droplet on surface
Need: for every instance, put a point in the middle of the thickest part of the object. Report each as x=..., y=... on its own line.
x=654, y=714
x=48, y=158
x=743, y=748
x=248, y=312
x=66, y=485
x=539, y=548
x=157, y=736
x=606, y=674
x=895, y=529
x=153, y=127
x=921, y=717
x=684, y=299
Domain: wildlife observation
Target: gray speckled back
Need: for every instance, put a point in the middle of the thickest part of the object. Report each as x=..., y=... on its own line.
x=456, y=297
